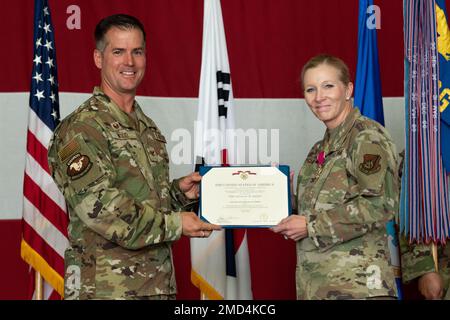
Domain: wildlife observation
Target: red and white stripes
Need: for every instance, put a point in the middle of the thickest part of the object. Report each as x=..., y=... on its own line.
x=44, y=211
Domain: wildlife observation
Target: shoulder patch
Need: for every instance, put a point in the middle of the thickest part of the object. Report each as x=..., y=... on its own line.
x=371, y=164
x=78, y=166
x=68, y=150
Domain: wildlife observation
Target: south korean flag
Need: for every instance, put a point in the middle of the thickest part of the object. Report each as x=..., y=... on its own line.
x=220, y=271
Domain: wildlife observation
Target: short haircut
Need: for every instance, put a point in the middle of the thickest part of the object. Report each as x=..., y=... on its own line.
x=121, y=21
x=344, y=73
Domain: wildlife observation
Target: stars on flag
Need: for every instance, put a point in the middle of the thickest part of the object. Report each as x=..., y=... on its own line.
x=39, y=94
x=44, y=85
x=47, y=28
x=48, y=45
x=38, y=77
x=49, y=62
x=38, y=43
x=37, y=60
x=51, y=79
x=44, y=116
x=55, y=114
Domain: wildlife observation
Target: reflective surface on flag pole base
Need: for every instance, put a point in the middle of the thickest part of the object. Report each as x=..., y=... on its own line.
x=39, y=286
x=435, y=256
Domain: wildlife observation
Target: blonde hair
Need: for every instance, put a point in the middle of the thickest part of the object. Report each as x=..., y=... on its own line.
x=328, y=60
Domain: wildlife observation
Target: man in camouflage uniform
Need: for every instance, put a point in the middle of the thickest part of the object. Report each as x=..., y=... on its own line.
x=110, y=162
x=347, y=192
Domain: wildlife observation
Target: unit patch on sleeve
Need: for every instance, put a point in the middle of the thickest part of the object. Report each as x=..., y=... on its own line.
x=78, y=166
x=371, y=164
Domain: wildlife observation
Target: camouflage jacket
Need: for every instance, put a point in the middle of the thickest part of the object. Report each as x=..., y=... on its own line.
x=417, y=260
x=347, y=194
x=114, y=173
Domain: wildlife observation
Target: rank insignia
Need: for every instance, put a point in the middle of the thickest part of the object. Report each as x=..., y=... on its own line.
x=78, y=166
x=115, y=125
x=371, y=164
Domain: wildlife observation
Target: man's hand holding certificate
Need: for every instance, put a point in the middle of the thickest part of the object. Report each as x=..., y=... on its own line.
x=245, y=196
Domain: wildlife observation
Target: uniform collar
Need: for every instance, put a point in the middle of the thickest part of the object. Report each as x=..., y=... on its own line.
x=334, y=138
x=142, y=118
x=121, y=116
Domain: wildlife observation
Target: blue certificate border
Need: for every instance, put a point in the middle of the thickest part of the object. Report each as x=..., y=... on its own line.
x=283, y=168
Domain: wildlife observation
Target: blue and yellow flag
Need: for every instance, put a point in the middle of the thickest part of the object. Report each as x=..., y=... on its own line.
x=443, y=46
x=368, y=97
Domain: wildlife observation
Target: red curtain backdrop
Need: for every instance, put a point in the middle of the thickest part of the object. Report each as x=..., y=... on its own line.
x=268, y=42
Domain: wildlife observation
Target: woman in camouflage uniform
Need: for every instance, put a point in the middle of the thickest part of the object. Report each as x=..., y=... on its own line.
x=346, y=193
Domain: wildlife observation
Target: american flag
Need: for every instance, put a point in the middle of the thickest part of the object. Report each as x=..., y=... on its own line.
x=44, y=222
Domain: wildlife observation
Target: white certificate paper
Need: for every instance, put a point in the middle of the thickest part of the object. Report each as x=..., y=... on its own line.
x=245, y=196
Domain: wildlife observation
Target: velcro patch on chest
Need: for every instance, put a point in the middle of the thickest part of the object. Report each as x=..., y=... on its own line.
x=371, y=164
x=78, y=166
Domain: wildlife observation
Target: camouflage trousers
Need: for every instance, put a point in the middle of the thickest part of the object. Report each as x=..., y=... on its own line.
x=158, y=297
x=381, y=298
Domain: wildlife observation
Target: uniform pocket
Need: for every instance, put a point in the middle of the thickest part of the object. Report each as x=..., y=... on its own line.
x=335, y=186
x=155, y=144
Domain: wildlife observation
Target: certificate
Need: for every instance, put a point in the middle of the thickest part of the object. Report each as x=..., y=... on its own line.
x=244, y=196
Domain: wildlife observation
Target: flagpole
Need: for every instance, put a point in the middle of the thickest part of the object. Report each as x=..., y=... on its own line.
x=435, y=256
x=39, y=286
